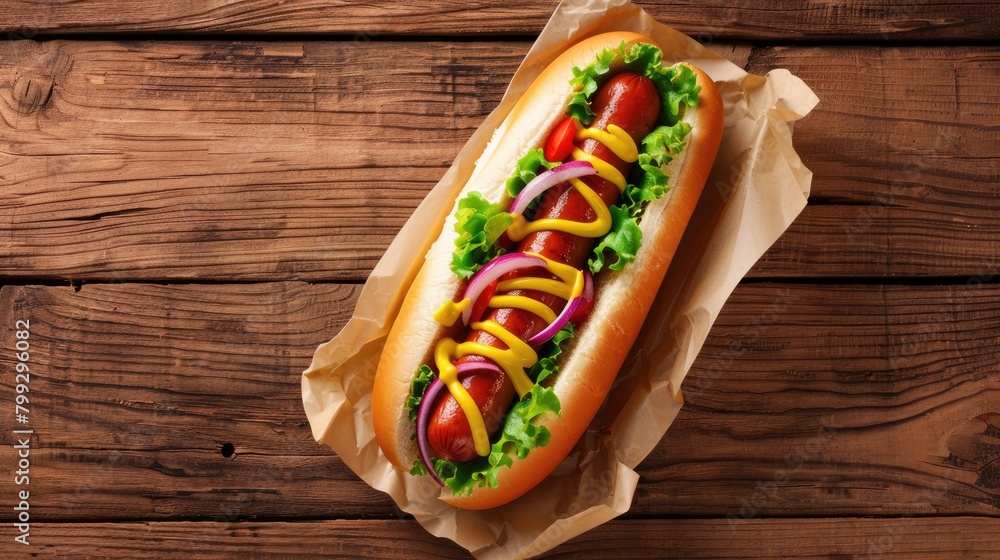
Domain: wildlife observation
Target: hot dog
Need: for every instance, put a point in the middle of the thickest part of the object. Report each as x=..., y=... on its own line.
x=627, y=100
x=528, y=301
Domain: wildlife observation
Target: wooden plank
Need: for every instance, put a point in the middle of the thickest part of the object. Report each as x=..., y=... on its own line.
x=241, y=161
x=904, y=161
x=887, y=396
x=137, y=390
x=782, y=20
x=267, y=161
x=900, y=538
x=252, y=161
x=807, y=401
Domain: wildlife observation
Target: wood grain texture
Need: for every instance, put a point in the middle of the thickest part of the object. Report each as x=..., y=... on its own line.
x=137, y=389
x=903, y=147
x=901, y=538
x=882, y=20
x=240, y=157
x=806, y=401
x=279, y=161
x=263, y=154
x=888, y=396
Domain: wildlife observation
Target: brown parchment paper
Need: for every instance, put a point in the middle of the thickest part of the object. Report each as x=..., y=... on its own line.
x=756, y=189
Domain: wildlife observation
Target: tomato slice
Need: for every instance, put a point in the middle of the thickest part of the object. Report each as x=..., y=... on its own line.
x=560, y=143
x=479, y=306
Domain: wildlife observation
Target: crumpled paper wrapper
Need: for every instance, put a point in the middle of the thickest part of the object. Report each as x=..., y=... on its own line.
x=758, y=186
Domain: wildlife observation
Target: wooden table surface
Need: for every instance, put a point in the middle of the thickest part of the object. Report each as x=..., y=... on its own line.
x=193, y=193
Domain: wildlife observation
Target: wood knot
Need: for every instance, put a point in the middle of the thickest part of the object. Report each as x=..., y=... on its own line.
x=32, y=91
x=976, y=446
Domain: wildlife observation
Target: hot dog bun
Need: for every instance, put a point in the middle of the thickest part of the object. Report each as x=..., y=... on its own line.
x=590, y=363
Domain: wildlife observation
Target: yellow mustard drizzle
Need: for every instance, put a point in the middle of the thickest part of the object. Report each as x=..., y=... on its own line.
x=596, y=228
x=513, y=360
x=620, y=144
x=518, y=355
x=568, y=285
x=448, y=374
x=604, y=169
x=525, y=304
x=450, y=311
x=546, y=285
x=615, y=138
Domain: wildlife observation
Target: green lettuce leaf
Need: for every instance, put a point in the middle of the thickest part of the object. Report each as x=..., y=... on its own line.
x=443, y=468
x=548, y=354
x=418, y=468
x=418, y=386
x=527, y=169
x=585, y=84
x=479, y=224
x=682, y=91
x=659, y=149
x=677, y=84
x=623, y=241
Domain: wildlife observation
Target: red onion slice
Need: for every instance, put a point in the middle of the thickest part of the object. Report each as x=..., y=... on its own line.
x=468, y=367
x=493, y=270
x=423, y=418
x=569, y=311
x=427, y=404
x=549, y=179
